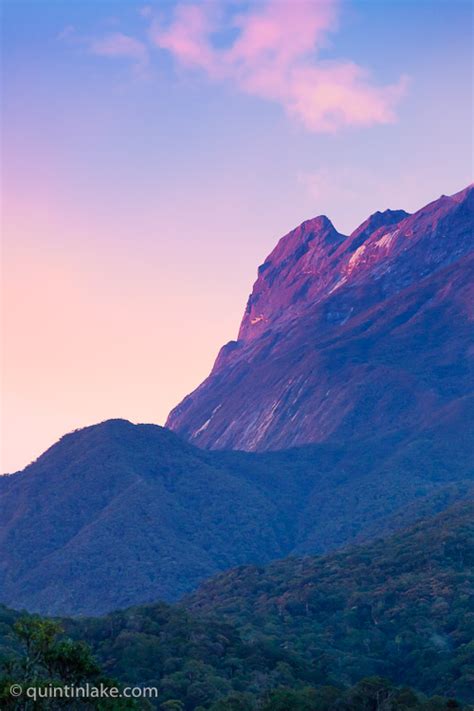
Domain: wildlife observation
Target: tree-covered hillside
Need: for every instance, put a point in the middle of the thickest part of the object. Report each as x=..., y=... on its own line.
x=310, y=634
x=401, y=607
x=133, y=514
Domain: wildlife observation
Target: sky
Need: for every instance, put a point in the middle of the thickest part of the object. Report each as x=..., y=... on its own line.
x=153, y=154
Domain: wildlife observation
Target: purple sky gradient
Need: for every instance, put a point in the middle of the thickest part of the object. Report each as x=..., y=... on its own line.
x=153, y=155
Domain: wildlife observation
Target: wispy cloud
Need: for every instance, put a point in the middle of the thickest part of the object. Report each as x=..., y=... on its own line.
x=66, y=33
x=117, y=44
x=274, y=52
x=275, y=55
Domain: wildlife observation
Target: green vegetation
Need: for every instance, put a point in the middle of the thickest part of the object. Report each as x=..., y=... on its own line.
x=43, y=661
x=312, y=634
x=400, y=607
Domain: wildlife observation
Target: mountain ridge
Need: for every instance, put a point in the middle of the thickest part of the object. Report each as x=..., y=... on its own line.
x=119, y=514
x=306, y=294
x=354, y=402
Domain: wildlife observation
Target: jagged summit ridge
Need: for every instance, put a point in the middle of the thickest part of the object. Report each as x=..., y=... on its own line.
x=375, y=221
x=314, y=350
x=314, y=260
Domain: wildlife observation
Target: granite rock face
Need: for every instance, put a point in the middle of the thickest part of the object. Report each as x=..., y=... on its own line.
x=344, y=336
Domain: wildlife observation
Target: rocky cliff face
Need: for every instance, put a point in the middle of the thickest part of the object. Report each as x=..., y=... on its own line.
x=344, y=336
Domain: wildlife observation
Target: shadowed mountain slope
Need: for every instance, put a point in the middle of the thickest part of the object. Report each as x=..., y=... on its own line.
x=117, y=514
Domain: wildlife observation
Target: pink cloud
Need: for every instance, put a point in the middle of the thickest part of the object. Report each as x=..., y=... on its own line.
x=117, y=44
x=188, y=36
x=275, y=56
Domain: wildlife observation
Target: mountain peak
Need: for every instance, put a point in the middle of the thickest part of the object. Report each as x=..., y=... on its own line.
x=320, y=223
x=300, y=259
x=340, y=332
x=317, y=230
x=374, y=222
